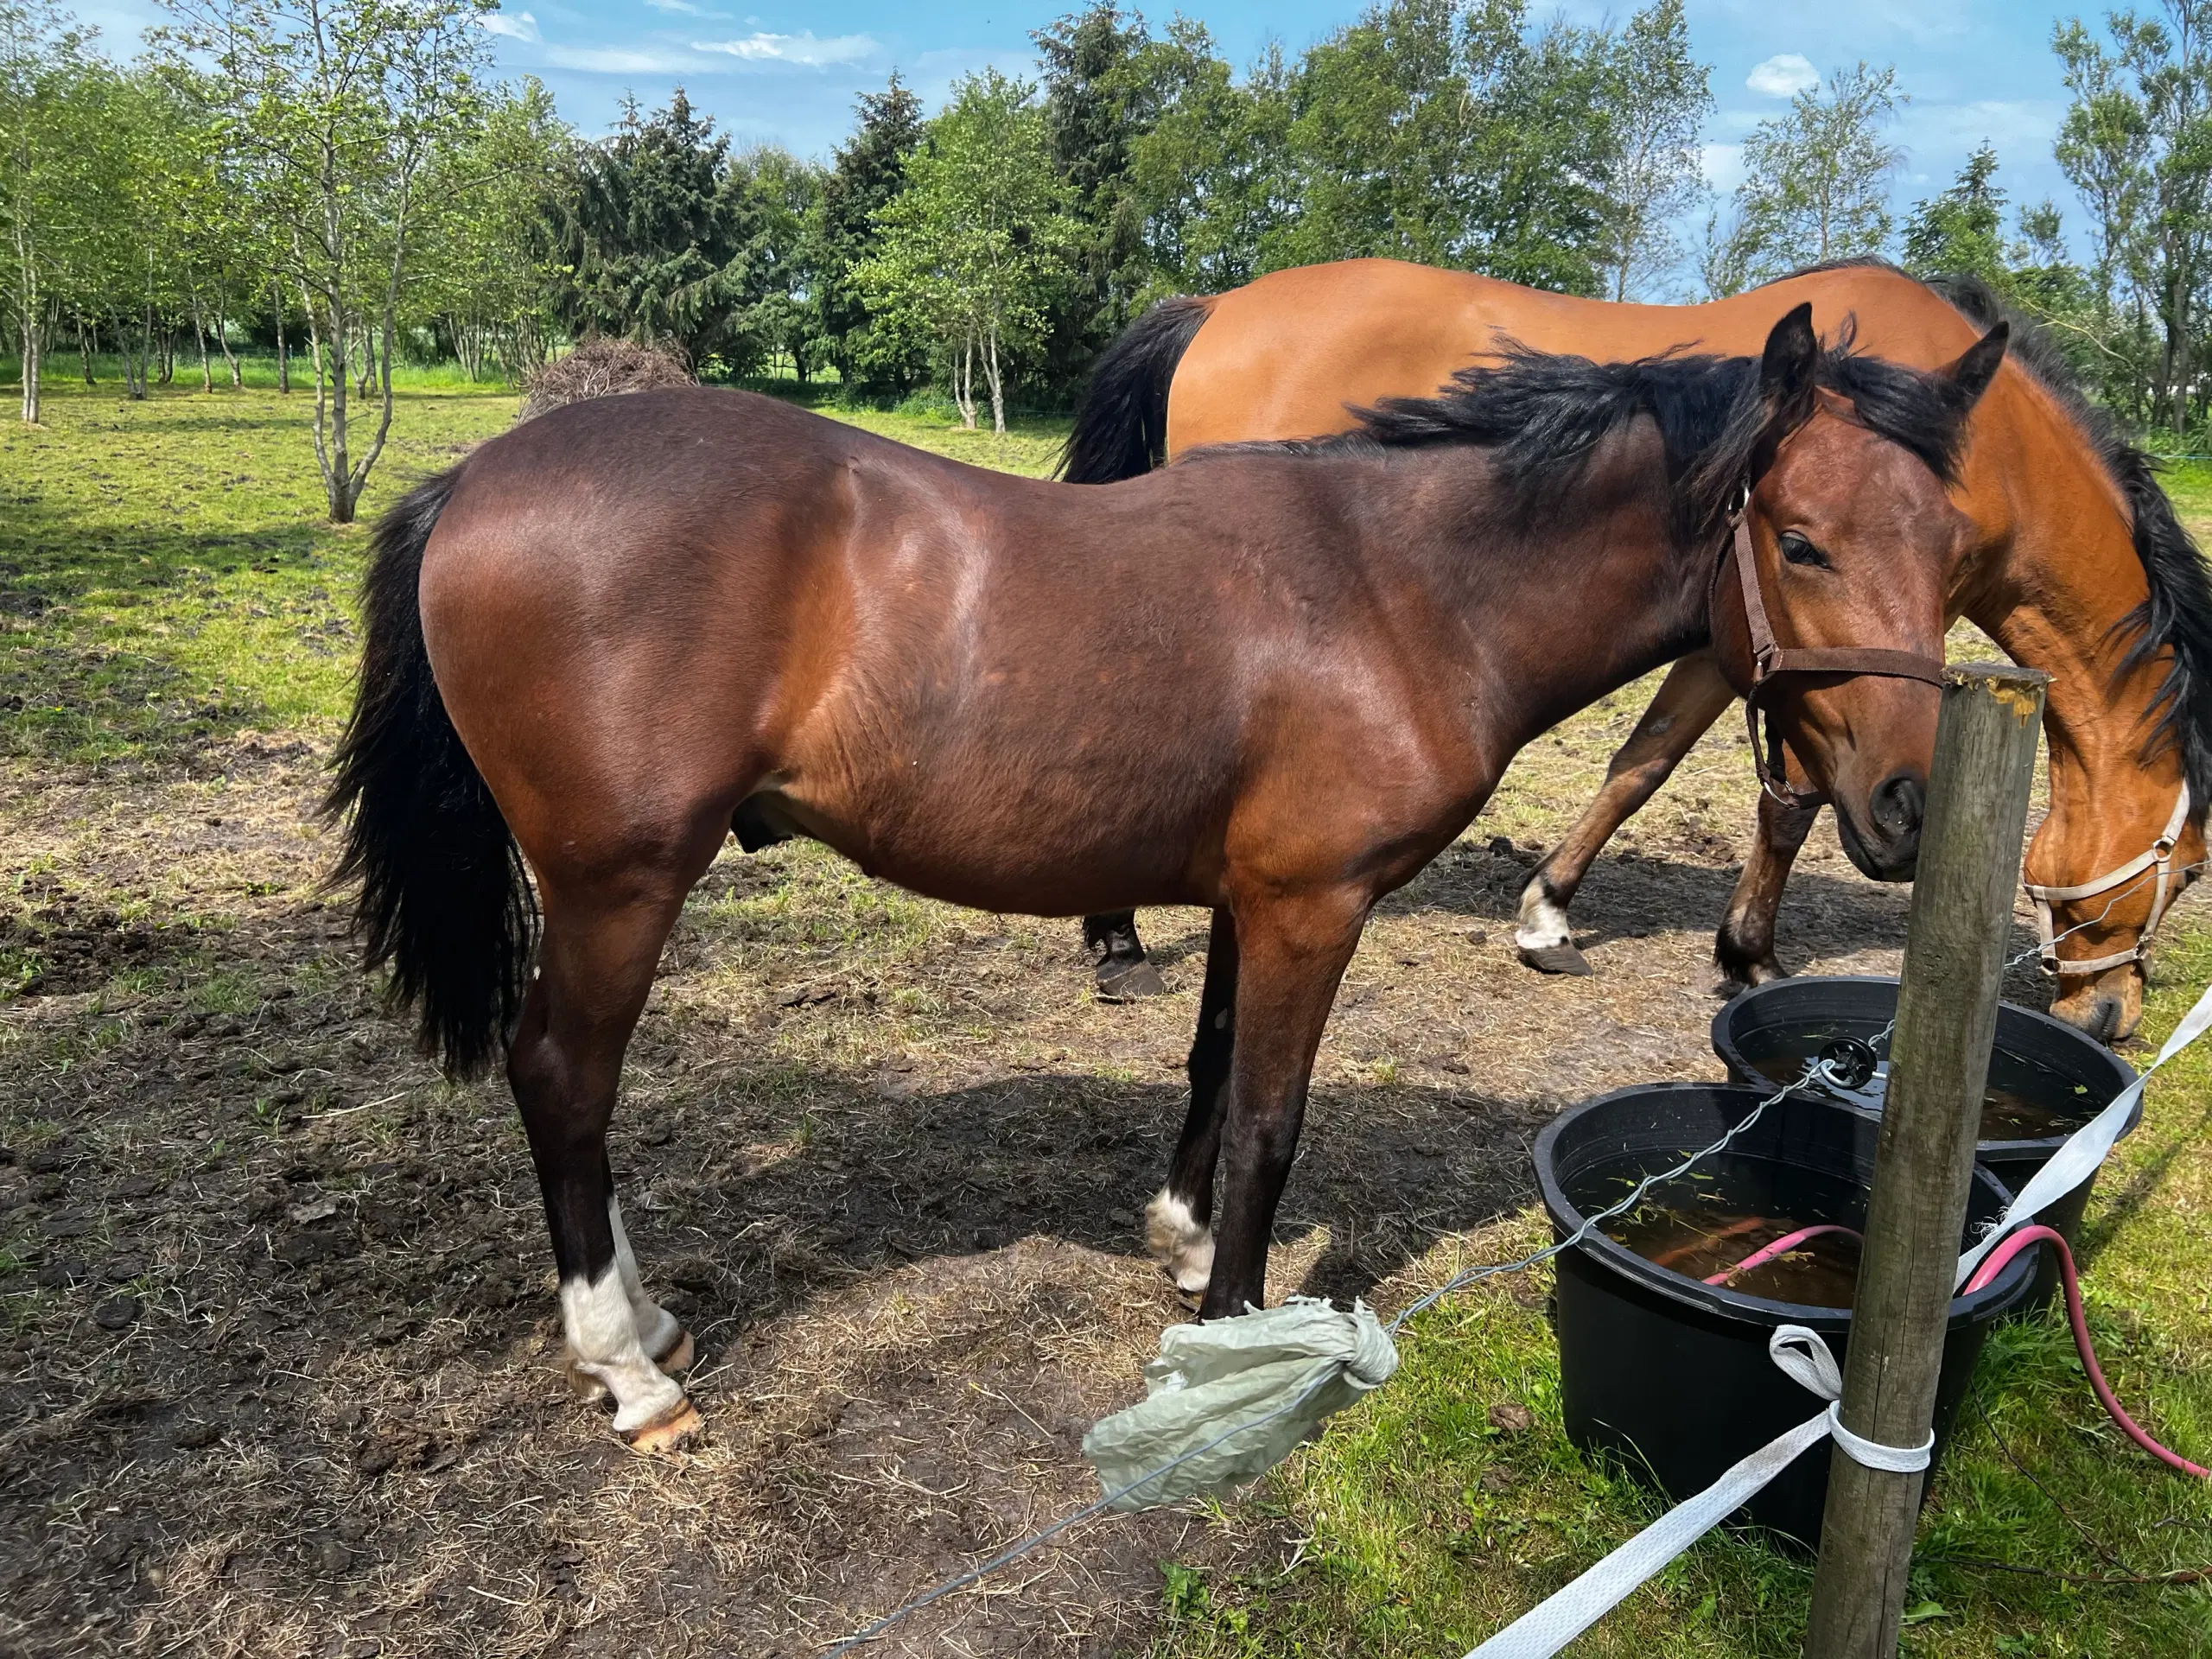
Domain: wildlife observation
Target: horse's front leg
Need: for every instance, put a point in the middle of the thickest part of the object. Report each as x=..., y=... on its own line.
x=596, y=966
x=1179, y=1220
x=1291, y=954
x=1744, y=948
x=1693, y=695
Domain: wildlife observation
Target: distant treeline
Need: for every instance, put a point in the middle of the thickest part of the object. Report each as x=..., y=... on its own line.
x=343, y=180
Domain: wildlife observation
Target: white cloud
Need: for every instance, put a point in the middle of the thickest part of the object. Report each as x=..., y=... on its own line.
x=802, y=48
x=618, y=60
x=1784, y=75
x=515, y=26
x=687, y=8
x=1723, y=166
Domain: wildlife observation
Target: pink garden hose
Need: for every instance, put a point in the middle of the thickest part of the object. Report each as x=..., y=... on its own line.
x=1988, y=1273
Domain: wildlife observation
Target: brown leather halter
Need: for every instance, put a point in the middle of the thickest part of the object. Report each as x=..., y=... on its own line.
x=1771, y=661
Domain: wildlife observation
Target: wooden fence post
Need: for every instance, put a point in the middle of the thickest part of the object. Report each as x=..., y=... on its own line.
x=1923, y=1164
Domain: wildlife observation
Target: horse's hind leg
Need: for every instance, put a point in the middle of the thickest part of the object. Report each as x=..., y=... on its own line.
x=1178, y=1223
x=1118, y=960
x=596, y=966
x=1692, y=697
x=1744, y=948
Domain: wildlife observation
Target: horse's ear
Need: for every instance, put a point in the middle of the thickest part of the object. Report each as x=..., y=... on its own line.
x=1789, y=368
x=1972, y=372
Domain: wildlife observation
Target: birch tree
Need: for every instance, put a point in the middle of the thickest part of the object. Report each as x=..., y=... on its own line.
x=978, y=243
x=335, y=110
x=45, y=75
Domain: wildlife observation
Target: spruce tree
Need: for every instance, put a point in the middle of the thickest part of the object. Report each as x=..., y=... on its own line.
x=1102, y=94
x=655, y=241
x=868, y=171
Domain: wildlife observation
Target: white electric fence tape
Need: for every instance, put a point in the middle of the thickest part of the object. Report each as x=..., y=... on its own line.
x=2086, y=1148
x=1804, y=1356
x=1550, y=1625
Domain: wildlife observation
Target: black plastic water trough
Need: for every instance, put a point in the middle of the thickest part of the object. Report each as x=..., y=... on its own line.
x=1670, y=1375
x=2044, y=1075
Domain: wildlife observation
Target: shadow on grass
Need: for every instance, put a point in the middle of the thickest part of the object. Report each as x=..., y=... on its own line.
x=100, y=628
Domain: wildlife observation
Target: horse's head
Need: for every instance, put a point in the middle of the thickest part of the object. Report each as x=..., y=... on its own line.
x=1852, y=544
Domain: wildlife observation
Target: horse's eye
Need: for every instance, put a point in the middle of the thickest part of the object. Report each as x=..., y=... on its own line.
x=1798, y=551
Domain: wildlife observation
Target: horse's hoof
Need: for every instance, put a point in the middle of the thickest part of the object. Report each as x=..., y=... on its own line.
x=583, y=1385
x=677, y=1359
x=1556, y=959
x=672, y=1431
x=1121, y=982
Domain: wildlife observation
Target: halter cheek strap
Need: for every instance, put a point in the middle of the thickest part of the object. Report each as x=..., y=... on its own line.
x=2160, y=857
x=1770, y=660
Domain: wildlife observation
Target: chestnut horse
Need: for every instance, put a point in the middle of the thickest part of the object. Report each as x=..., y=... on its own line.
x=615, y=633
x=2080, y=567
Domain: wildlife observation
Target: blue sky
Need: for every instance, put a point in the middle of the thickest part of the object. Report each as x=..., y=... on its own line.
x=787, y=70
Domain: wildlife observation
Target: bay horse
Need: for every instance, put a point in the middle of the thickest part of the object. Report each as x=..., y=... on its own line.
x=2080, y=567
x=610, y=635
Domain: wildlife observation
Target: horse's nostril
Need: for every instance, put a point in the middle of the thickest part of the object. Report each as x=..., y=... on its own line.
x=1899, y=802
x=2104, y=1019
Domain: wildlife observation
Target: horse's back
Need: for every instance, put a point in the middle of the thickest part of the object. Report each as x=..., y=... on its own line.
x=1293, y=354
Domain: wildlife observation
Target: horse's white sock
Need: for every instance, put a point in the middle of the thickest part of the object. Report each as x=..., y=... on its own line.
x=603, y=1341
x=1178, y=1238
x=657, y=1329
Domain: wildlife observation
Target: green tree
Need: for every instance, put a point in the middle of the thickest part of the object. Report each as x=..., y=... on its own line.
x=2136, y=145
x=1816, y=183
x=655, y=237
x=1454, y=135
x=866, y=174
x=336, y=112
x=1661, y=97
x=493, y=270
x=978, y=243
x=1211, y=175
x=1962, y=230
x=776, y=194
x=49, y=90
x=1102, y=95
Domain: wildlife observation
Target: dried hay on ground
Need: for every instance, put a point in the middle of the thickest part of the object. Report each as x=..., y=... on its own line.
x=605, y=368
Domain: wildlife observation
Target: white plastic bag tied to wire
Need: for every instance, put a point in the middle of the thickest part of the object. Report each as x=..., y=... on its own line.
x=1229, y=1399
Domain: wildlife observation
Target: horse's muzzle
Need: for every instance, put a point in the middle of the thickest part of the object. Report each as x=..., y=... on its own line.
x=1885, y=841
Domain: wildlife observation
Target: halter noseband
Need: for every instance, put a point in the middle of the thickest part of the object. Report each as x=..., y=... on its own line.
x=2160, y=857
x=1771, y=661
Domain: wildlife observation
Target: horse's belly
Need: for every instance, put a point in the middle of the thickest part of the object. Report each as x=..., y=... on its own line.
x=995, y=841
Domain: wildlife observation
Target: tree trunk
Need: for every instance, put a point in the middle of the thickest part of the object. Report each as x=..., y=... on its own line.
x=337, y=465
x=964, y=382
x=85, y=349
x=283, y=351
x=200, y=334
x=26, y=290
x=998, y=389
x=230, y=357
x=30, y=367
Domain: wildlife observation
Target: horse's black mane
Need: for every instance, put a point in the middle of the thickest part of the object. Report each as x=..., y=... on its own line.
x=1541, y=415
x=2178, y=614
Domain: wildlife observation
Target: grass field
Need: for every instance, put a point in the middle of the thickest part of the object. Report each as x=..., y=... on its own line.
x=899, y=1154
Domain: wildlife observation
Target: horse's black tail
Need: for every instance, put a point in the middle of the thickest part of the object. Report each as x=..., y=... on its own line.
x=1120, y=429
x=444, y=898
